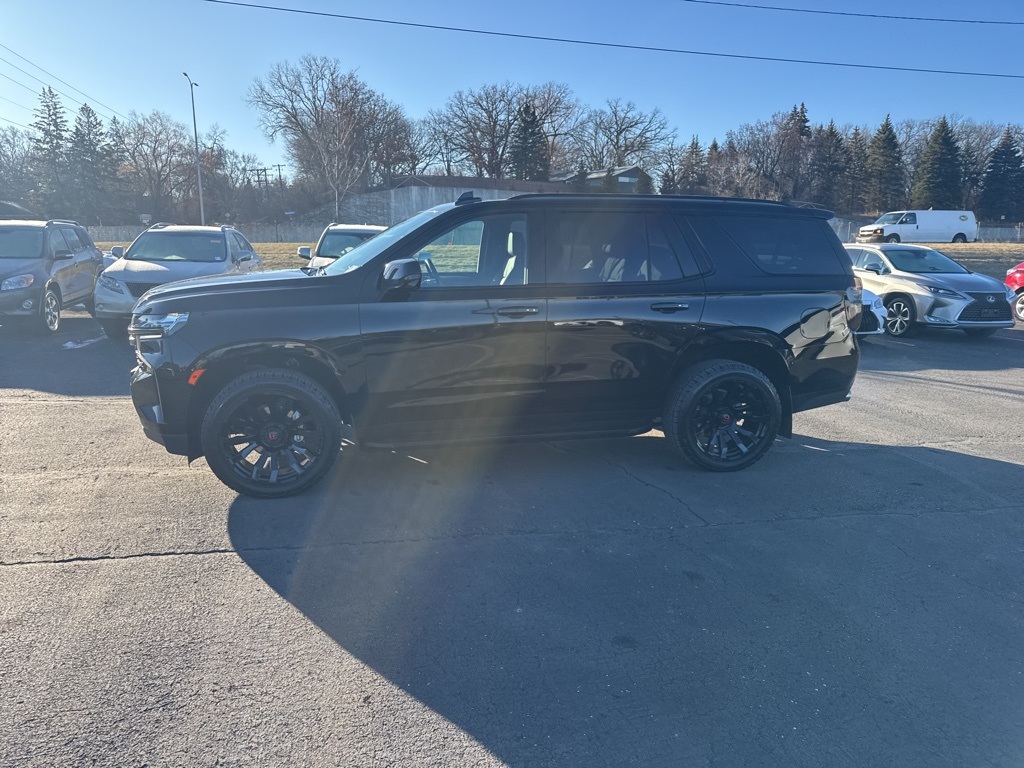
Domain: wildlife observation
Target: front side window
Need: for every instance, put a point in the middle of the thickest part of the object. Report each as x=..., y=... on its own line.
x=910, y=218
x=20, y=242
x=491, y=250
x=58, y=243
x=178, y=246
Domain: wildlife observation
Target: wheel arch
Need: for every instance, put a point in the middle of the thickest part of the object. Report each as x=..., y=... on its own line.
x=758, y=353
x=221, y=366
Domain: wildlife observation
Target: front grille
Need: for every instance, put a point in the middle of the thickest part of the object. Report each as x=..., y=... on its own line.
x=868, y=321
x=137, y=289
x=982, y=309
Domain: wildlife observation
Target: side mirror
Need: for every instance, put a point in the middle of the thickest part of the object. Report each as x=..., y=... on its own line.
x=245, y=257
x=117, y=251
x=304, y=252
x=63, y=255
x=402, y=275
x=876, y=268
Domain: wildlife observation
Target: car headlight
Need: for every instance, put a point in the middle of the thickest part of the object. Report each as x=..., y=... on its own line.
x=943, y=292
x=16, y=282
x=163, y=325
x=1011, y=296
x=110, y=284
x=877, y=304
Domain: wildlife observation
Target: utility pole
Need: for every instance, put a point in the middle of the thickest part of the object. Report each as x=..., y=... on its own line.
x=195, y=131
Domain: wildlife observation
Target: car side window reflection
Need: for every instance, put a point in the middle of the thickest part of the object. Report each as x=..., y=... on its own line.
x=491, y=250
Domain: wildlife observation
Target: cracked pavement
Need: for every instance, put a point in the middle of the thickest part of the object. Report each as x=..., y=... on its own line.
x=853, y=599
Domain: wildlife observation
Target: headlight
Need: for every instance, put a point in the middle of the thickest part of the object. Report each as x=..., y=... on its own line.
x=158, y=324
x=877, y=304
x=943, y=292
x=16, y=282
x=110, y=284
x=1010, y=295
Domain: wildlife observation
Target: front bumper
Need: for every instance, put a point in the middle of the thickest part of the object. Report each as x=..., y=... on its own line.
x=148, y=397
x=870, y=238
x=11, y=302
x=970, y=312
x=111, y=305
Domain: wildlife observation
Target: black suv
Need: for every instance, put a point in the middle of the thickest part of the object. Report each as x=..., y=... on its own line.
x=46, y=266
x=540, y=316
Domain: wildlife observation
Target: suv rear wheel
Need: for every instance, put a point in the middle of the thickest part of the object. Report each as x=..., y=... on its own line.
x=722, y=415
x=271, y=433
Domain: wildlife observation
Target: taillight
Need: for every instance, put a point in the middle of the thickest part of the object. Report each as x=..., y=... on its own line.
x=854, y=304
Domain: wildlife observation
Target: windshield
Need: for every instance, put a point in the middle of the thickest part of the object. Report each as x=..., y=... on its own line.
x=336, y=244
x=20, y=243
x=371, y=248
x=923, y=260
x=890, y=218
x=178, y=246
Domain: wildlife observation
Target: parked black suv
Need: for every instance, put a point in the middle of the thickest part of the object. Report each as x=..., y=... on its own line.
x=46, y=266
x=541, y=316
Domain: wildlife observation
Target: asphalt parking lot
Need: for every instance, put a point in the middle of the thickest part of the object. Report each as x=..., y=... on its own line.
x=855, y=599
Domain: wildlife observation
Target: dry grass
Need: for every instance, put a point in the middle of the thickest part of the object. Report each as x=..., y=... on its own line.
x=988, y=258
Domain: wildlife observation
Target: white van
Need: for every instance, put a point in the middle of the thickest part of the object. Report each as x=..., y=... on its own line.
x=921, y=227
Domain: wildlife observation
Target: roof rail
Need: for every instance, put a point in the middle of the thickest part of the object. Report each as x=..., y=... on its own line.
x=63, y=221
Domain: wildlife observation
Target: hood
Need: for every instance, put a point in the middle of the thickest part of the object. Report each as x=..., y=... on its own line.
x=971, y=282
x=10, y=267
x=164, y=271
x=204, y=287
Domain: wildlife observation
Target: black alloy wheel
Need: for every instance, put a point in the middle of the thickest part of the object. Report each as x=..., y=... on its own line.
x=723, y=415
x=271, y=433
x=899, y=322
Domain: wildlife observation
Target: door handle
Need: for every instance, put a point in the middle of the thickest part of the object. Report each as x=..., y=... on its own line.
x=668, y=307
x=518, y=311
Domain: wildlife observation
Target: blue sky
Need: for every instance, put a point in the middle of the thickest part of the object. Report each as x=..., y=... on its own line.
x=129, y=55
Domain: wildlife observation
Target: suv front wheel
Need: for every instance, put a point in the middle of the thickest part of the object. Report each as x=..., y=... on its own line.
x=271, y=433
x=722, y=415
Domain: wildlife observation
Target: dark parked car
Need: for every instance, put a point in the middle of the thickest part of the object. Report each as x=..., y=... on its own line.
x=540, y=316
x=46, y=266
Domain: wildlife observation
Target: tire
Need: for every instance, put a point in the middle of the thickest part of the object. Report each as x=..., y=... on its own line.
x=114, y=329
x=980, y=333
x=1018, y=307
x=287, y=425
x=892, y=239
x=717, y=402
x=901, y=318
x=959, y=238
x=49, y=312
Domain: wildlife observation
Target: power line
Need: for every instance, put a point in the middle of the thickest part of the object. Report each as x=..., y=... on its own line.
x=79, y=103
x=623, y=46
x=12, y=122
x=999, y=22
x=20, y=106
x=69, y=85
x=17, y=82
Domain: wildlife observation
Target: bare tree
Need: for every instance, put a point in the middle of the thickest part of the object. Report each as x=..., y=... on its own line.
x=560, y=114
x=157, y=158
x=326, y=117
x=15, y=163
x=481, y=122
x=622, y=134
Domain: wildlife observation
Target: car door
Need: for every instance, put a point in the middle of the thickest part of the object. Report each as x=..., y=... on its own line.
x=61, y=270
x=625, y=298
x=81, y=265
x=462, y=354
x=910, y=230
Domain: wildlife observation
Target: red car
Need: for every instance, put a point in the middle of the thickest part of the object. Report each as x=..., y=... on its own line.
x=1015, y=279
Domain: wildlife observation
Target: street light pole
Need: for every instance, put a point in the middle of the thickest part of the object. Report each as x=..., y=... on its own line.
x=195, y=131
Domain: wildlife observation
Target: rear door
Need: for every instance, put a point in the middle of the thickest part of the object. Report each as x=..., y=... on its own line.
x=625, y=298
x=82, y=264
x=62, y=270
x=463, y=355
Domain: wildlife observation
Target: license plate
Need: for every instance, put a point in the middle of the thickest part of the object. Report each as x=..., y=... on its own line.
x=990, y=312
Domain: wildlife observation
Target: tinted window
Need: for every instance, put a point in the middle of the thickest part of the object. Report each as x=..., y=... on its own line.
x=491, y=250
x=611, y=247
x=57, y=242
x=20, y=243
x=84, y=237
x=778, y=246
x=74, y=243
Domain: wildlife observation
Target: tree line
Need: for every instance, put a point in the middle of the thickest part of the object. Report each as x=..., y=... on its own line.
x=342, y=136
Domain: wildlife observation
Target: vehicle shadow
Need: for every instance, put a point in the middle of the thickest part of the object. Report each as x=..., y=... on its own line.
x=944, y=350
x=581, y=604
x=77, y=361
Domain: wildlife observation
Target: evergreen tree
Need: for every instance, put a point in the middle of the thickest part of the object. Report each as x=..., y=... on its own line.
x=91, y=169
x=668, y=184
x=528, y=146
x=644, y=184
x=828, y=164
x=579, y=181
x=794, y=136
x=937, y=180
x=886, y=181
x=609, y=183
x=1002, y=192
x=854, y=199
x=693, y=170
x=50, y=155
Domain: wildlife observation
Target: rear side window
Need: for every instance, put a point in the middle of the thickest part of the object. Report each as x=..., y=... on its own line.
x=777, y=246
x=72, y=237
x=611, y=247
x=84, y=237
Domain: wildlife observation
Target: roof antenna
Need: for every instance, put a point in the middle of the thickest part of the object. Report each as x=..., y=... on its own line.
x=467, y=197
